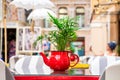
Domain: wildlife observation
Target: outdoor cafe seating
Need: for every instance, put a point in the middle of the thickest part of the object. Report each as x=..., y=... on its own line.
x=99, y=63
x=33, y=68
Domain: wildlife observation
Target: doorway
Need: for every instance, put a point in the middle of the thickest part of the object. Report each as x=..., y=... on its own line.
x=11, y=43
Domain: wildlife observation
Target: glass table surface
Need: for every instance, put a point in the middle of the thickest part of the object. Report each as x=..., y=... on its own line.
x=70, y=74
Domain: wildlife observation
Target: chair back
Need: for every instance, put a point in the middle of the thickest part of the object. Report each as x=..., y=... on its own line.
x=13, y=61
x=5, y=73
x=99, y=63
x=32, y=65
x=112, y=72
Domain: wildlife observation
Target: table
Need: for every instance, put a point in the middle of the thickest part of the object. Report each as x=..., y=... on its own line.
x=56, y=77
x=71, y=74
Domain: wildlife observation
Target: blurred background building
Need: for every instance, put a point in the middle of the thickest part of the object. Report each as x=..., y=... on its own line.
x=105, y=23
x=99, y=22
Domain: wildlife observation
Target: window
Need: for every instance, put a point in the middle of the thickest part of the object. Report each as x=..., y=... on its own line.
x=46, y=23
x=80, y=12
x=26, y=39
x=62, y=12
x=79, y=46
x=27, y=12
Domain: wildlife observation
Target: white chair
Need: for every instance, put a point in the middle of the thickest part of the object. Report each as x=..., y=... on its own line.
x=99, y=63
x=5, y=73
x=13, y=61
x=112, y=72
x=32, y=65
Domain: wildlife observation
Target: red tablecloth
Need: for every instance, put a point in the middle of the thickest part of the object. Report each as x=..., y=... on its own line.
x=56, y=77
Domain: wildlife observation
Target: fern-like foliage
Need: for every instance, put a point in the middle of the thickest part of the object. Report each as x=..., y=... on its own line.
x=65, y=33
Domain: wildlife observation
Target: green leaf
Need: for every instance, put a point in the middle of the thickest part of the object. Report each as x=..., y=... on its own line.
x=65, y=33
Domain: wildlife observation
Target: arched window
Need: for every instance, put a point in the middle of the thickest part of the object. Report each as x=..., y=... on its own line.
x=80, y=12
x=27, y=12
x=62, y=12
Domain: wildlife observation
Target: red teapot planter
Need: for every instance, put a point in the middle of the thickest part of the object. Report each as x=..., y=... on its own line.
x=60, y=60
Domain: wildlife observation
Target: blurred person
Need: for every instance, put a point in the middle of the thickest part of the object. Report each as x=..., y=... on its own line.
x=110, y=49
x=12, y=48
x=46, y=46
x=90, y=52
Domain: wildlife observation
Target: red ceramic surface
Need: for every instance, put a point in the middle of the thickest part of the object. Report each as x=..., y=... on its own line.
x=60, y=60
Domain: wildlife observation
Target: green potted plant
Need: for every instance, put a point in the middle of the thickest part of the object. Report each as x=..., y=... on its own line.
x=65, y=33
x=61, y=39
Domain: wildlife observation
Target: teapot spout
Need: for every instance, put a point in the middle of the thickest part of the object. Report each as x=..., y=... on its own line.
x=45, y=59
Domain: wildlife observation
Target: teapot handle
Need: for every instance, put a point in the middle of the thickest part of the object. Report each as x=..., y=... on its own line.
x=76, y=58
